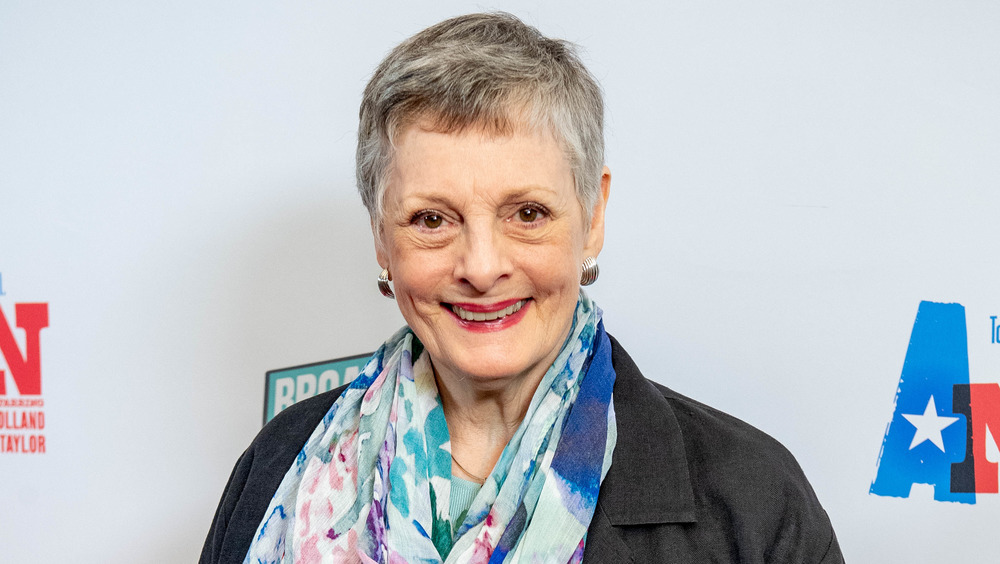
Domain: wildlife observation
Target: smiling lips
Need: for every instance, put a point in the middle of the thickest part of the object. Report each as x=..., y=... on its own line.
x=465, y=313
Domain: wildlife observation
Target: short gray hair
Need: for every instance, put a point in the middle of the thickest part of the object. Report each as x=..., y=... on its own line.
x=489, y=71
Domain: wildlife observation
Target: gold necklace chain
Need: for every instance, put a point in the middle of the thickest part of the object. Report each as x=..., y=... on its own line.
x=470, y=474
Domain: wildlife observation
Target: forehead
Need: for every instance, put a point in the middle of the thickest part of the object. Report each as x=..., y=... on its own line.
x=426, y=159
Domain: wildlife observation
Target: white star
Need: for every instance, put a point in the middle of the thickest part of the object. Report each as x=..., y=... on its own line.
x=929, y=426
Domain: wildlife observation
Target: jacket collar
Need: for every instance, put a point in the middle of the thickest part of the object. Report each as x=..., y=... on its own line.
x=648, y=482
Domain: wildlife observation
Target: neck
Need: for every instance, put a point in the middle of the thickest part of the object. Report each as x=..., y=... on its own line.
x=482, y=421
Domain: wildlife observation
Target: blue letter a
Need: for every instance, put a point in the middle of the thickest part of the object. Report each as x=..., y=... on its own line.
x=936, y=359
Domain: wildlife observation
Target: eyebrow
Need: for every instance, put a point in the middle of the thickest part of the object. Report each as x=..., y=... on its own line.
x=520, y=193
x=526, y=191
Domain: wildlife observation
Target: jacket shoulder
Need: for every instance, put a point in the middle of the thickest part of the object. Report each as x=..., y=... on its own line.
x=750, y=499
x=747, y=479
x=714, y=437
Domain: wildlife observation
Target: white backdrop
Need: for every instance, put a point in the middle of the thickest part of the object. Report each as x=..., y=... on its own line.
x=790, y=180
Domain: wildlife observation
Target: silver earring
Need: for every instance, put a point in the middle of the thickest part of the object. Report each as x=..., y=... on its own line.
x=590, y=272
x=383, y=284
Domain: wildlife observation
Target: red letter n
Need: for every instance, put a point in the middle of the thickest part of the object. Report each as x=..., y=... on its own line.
x=26, y=369
x=985, y=413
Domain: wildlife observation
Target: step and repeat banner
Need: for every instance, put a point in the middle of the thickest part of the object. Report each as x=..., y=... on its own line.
x=286, y=386
x=802, y=232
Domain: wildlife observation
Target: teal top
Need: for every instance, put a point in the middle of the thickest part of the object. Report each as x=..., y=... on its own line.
x=462, y=494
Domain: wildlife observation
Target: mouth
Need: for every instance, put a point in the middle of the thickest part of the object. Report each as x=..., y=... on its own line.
x=494, y=312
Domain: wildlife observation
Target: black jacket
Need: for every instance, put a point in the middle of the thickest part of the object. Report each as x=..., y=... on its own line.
x=687, y=483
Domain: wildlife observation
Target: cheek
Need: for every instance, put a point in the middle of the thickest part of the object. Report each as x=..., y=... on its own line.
x=417, y=300
x=417, y=275
x=554, y=270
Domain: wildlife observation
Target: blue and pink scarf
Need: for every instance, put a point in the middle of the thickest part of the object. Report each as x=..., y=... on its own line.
x=373, y=482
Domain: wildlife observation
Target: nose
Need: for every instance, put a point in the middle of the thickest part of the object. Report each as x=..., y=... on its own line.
x=483, y=259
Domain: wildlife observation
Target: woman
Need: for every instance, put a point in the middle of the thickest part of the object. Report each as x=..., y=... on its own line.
x=503, y=424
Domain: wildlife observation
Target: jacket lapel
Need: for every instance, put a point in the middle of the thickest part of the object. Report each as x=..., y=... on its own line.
x=648, y=482
x=604, y=543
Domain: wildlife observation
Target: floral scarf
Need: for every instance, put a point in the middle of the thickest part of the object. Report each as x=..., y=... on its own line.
x=372, y=483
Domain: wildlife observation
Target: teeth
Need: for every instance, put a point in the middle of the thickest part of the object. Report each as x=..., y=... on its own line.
x=491, y=316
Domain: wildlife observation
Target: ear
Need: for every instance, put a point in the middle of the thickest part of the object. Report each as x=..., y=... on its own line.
x=595, y=235
x=380, y=255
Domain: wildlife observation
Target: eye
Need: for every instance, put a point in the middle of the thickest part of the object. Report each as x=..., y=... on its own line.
x=531, y=213
x=431, y=220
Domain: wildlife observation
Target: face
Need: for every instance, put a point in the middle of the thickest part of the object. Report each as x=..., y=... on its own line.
x=485, y=237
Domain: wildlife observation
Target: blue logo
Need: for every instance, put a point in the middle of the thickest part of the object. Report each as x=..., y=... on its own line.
x=940, y=424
